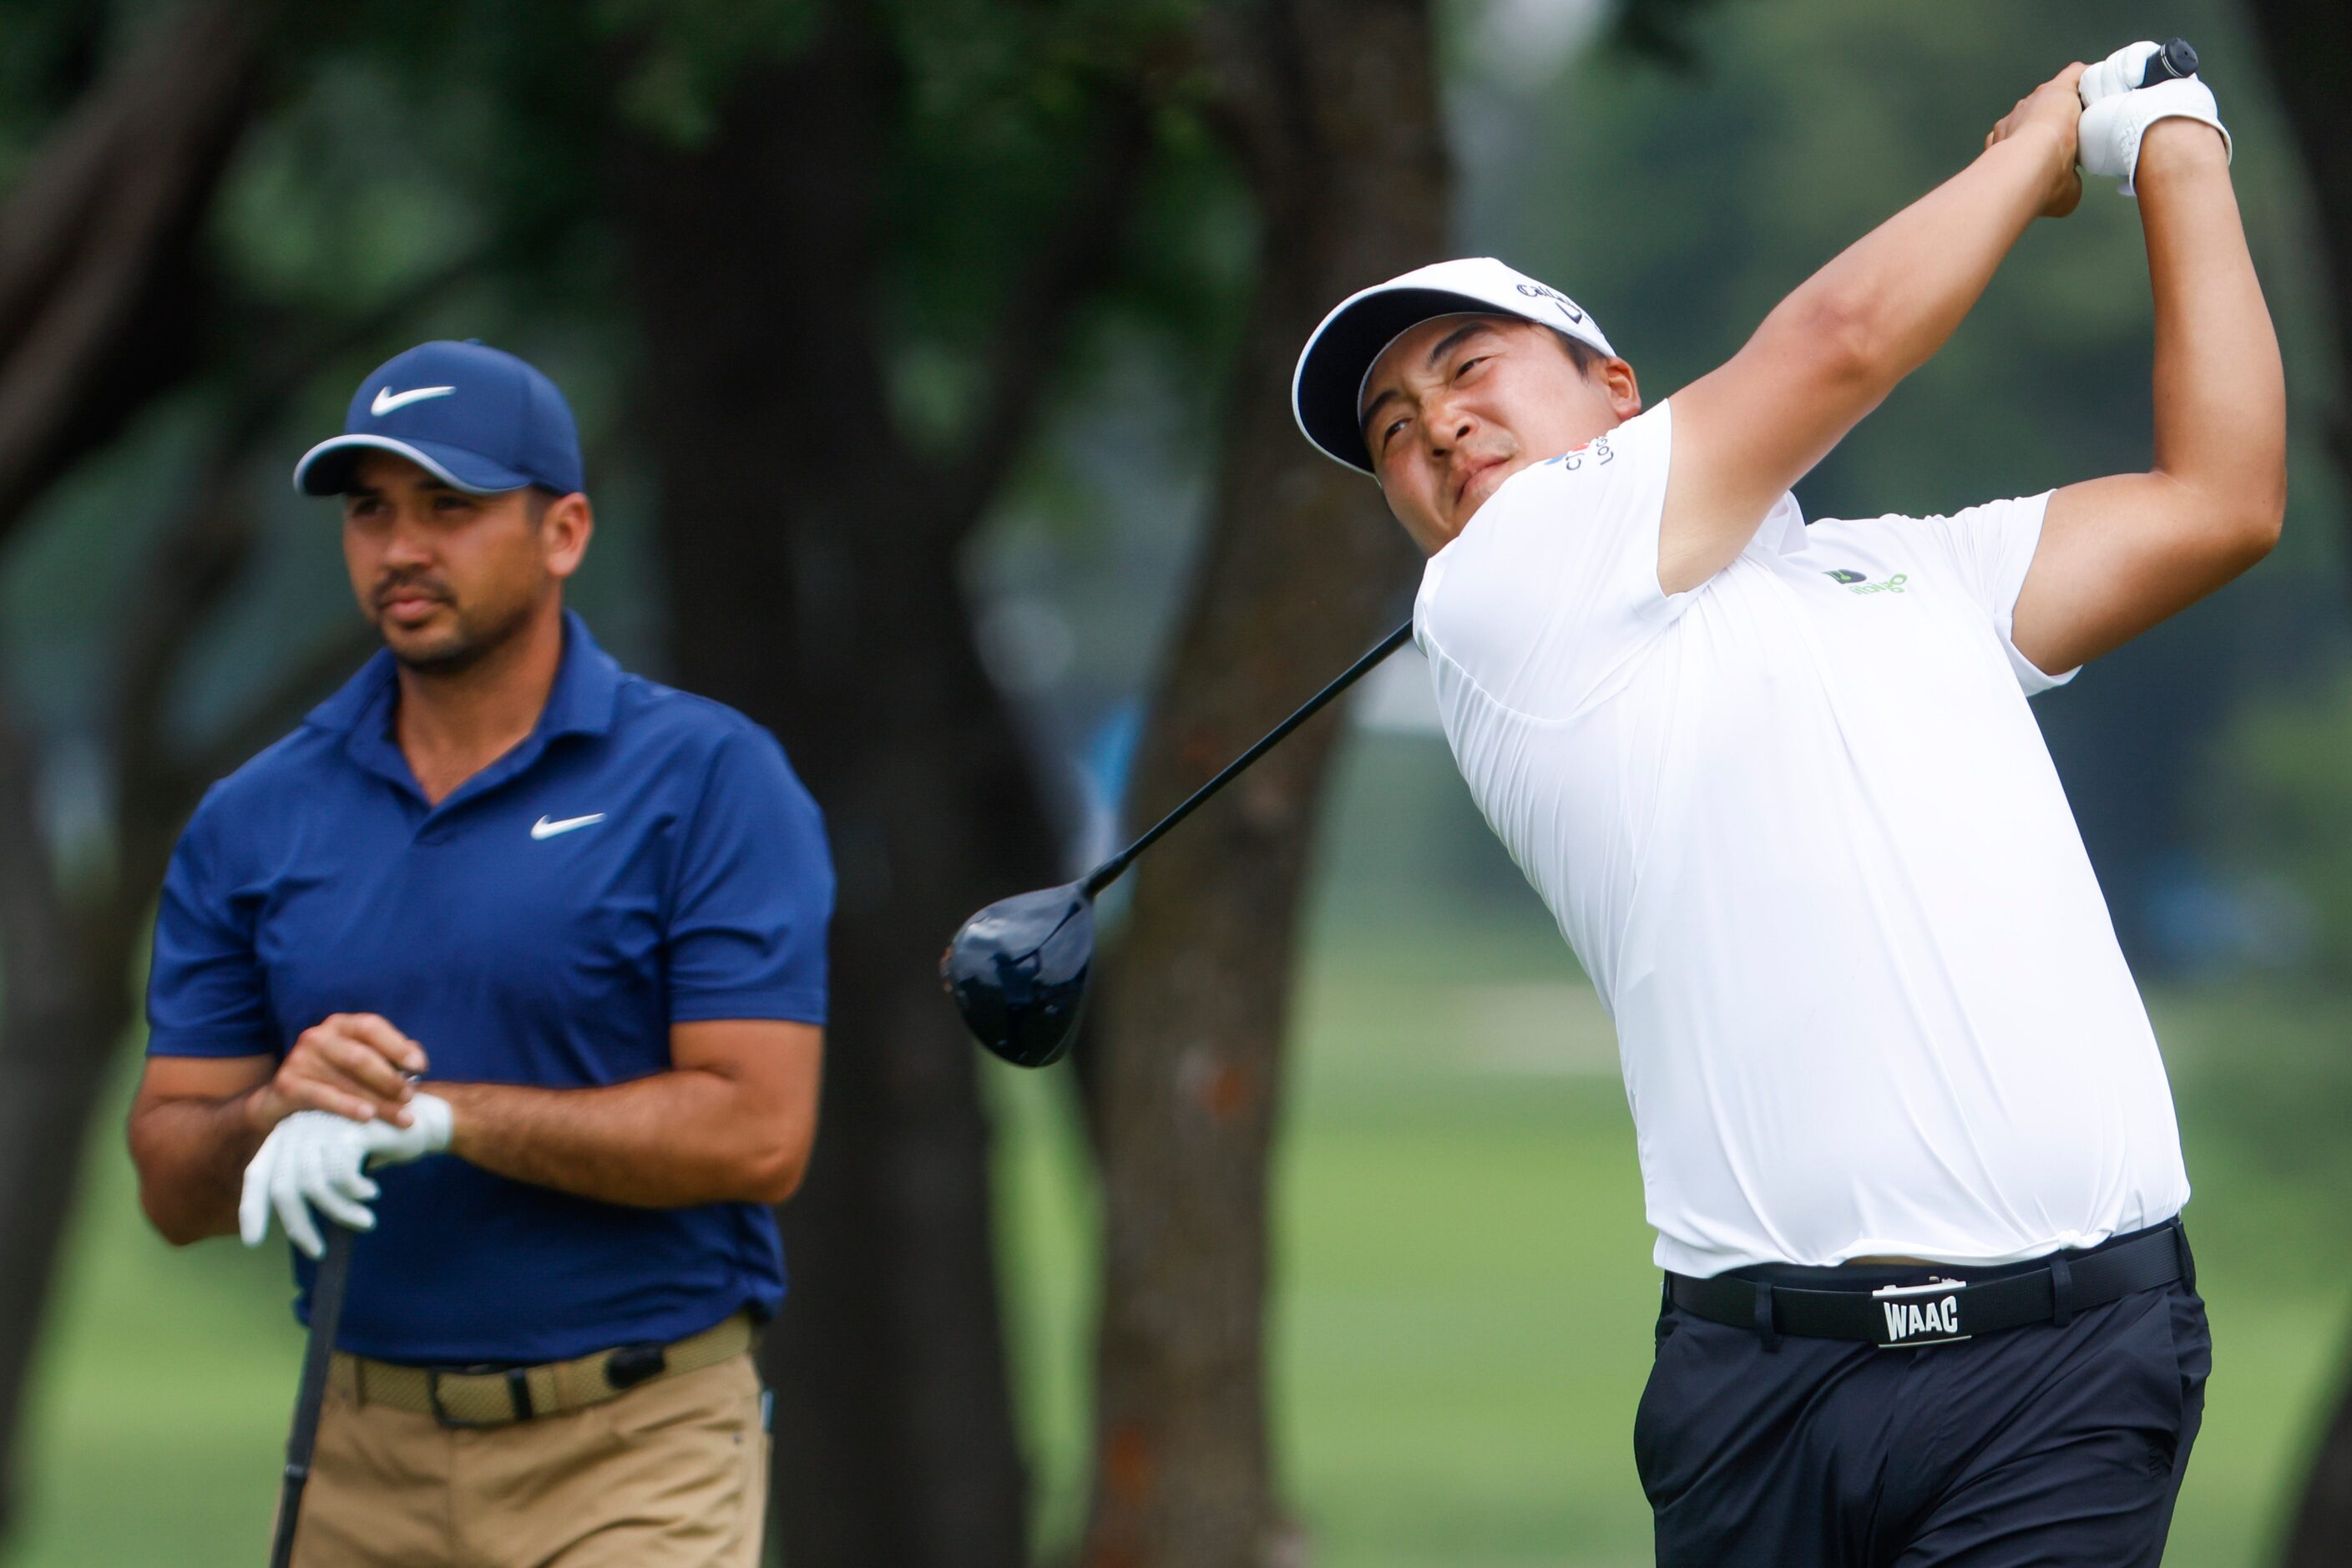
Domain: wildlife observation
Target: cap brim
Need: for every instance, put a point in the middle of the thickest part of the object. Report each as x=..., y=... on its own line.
x=325, y=469
x=1331, y=372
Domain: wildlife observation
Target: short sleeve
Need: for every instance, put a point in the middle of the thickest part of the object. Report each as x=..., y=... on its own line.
x=1991, y=547
x=207, y=992
x=1553, y=587
x=753, y=893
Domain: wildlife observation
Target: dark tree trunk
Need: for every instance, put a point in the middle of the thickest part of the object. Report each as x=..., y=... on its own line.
x=50, y=1071
x=1333, y=113
x=97, y=243
x=812, y=584
x=2321, y=1536
x=2304, y=44
x=97, y=264
x=2307, y=47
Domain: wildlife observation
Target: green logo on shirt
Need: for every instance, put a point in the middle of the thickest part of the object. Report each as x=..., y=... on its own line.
x=1855, y=583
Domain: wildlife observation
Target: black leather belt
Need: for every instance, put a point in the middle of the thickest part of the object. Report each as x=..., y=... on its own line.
x=1942, y=1306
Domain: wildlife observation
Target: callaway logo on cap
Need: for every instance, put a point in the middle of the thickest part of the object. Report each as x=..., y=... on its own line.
x=477, y=418
x=1330, y=383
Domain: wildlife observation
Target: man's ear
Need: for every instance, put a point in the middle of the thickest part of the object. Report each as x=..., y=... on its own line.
x=567, y=528
x=1625, y=393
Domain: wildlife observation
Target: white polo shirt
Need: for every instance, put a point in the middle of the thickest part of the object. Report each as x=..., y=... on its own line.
x=1801, y=829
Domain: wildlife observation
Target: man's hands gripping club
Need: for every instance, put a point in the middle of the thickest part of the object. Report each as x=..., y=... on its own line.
x=2052, y=110
x=317, y=1160
x=356, y=1065
x=345, y=1098
x=2117, y=112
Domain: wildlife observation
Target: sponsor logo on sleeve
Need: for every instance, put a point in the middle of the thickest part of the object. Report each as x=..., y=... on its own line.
x=1596, y=453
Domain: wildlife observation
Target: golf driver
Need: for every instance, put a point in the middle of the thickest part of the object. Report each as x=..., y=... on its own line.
x=327, y=1288
x=1018, y=969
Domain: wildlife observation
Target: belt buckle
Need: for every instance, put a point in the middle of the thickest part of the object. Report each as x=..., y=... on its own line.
x=630, y=1365
x=518, y=1382
x=1918, y=1315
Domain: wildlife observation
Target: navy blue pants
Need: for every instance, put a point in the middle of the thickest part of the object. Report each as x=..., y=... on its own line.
x=2032, y=1446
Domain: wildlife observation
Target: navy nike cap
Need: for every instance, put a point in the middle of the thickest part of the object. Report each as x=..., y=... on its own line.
x=474, y=417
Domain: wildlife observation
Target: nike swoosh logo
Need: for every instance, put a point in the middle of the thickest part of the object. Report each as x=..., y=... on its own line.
x=543, y=828
x=386, y=400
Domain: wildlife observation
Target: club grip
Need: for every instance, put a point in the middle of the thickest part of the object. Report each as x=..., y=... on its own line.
x=2177, y=58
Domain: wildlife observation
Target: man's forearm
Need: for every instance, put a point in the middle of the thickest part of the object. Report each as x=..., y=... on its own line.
x=1901, y=290
x=1834, y=348
x=2119, y=554
x=673, y=1140
x=2221, y=394
x=191, y=1155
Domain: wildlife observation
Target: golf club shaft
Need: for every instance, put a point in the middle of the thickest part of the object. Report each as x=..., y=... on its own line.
x=1104, y=875
x=327, y=1287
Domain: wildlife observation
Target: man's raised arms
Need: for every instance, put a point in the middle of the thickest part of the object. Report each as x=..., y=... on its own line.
x=1829, y=353
x=2119, y=554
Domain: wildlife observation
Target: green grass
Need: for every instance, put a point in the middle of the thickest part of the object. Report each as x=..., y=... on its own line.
x=1464, y=1300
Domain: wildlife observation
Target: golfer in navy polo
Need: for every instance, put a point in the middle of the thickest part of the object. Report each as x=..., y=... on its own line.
x=514, y=962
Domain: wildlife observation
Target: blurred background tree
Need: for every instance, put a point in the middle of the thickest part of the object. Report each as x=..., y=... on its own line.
x=1328, y=109
x=930, y=353
x=99, y=290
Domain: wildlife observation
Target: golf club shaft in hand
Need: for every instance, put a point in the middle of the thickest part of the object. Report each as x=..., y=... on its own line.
x=327, y=1289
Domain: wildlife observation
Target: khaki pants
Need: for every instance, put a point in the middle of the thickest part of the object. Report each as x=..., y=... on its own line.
x=672, y=1474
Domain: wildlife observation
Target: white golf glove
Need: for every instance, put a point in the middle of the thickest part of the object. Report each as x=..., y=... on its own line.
x=2116, y=114
x=315, y=1159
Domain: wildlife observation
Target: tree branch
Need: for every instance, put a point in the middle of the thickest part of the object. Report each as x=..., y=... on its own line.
x=96, y=242
x=1072, y=262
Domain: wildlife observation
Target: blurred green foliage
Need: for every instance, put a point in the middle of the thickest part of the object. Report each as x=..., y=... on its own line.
x=2279, y=806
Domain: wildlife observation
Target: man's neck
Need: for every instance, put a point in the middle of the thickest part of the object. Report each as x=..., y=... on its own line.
x=452, y=725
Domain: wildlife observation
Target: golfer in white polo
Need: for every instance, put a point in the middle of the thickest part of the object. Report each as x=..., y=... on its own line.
x=1904, y=1134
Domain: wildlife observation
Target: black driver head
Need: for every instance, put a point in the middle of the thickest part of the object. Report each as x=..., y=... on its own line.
x=1018, y=971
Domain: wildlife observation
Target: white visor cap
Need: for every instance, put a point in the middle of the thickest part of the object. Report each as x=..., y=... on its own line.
x=1327, y=389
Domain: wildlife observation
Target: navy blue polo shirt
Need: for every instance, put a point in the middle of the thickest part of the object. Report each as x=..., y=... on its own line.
x=645, y=857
